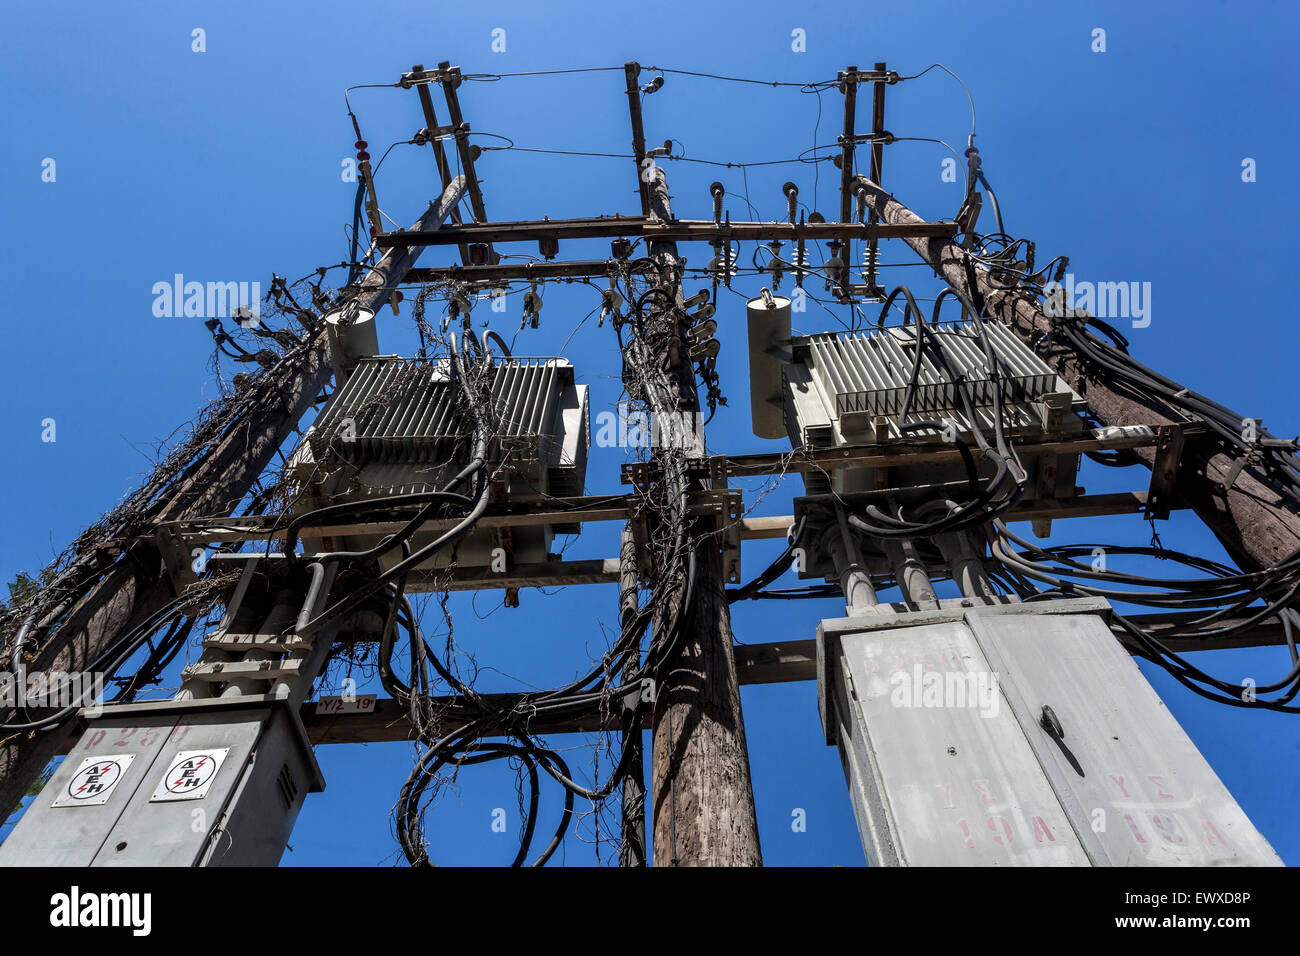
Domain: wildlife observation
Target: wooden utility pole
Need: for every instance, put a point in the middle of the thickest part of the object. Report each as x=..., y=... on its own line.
x=137, y=586
x=632, y=852
x=703, y=799
x=850, y=87
x=1257, y=524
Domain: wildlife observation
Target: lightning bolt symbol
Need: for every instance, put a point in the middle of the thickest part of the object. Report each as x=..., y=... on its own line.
x=196, y=767
x=84, y=785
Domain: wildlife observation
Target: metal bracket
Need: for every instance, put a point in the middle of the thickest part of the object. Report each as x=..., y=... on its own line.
x=1051, y=411
x=1164, y=470
x=1230, y=477
x=419, y=77
x=884, y=137
x=869, y=76
x=725, y=505
x=428, y=134
x=636, y=474
x=719, y=470
x=1045, y=490
x=641, y=474
x=731, y=509
x=176, y=557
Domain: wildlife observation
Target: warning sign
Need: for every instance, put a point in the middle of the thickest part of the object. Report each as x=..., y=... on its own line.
x=190, y=775
x=93, y=783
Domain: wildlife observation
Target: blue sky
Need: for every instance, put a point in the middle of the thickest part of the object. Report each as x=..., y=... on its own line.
x=225, y=165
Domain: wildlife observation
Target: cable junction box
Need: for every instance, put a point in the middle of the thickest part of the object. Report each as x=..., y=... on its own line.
x=984, y=733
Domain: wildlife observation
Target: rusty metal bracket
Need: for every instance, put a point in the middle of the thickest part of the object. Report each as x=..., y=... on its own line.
x=636, y=474
x=638, y=524
x=726, y=506
x=1051, y=410
x=1164, y=470
x=1230, y=477
x=1045, y=490
x=731, y=536
x=719, y=470
x=731, y=513
x=713, y=470
x=176, y=557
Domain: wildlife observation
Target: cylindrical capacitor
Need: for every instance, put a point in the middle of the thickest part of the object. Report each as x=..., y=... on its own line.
x=351, y=339
x=769, y=343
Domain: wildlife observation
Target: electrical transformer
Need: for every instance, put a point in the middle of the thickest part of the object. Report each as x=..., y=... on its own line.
x=977, y=730
x=217, y=775
x=849, y=388
x=395, y=427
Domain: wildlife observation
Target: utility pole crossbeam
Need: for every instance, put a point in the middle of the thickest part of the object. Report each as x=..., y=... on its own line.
x=450, y=78
x=439, y=153
x=675, y=230
x=872, y=287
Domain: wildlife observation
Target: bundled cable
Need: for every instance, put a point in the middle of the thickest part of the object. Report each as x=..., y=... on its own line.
x=28, y=623
x=985, y=500
x=1272, y=458
x=455, y=735
x=1223, y=594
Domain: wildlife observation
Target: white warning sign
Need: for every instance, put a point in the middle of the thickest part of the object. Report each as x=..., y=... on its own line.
x=190, y=775
x=93, y=783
